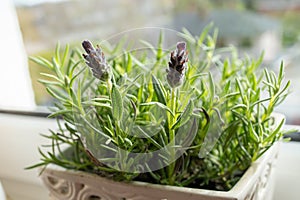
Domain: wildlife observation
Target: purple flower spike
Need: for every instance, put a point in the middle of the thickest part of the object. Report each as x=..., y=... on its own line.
x=95, y=59
x=177, y=65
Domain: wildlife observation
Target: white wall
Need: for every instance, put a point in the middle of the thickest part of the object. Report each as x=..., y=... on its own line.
x=287, y=180
x=20, y=139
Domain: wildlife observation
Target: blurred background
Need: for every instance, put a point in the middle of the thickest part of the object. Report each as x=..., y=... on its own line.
x=252, y=25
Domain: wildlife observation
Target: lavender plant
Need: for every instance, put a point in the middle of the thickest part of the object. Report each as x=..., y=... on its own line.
x=192, y=117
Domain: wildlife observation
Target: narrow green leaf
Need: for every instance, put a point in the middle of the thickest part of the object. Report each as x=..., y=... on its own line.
x=129, y=63
x=102, y=99
x=259, y=101
x=65, y=55
x=110, y=131
x=42, y=62
x=139, y=64
x=57, y=69
x=211, y=87
x=159, y=105
x=253, y=133
x=281, y=72
x=141, y=89
x=185, y=116
x=187, y=36
x=120, y=45
x=117, y=103
x=71, y=61
x=59, y=113
x=283, y=90
x=97, y=104
x=79, y=98
x=194, y=77
x=128, y=141
x=76, y=76
x=51, y=76
x=159, y=46
x=274, y=133
x=230, y=95
x=56, y=94
x=241, y=90
x=46, y=82
x=57, y=56
x=149, y=45
x=204, y=33
x=36, y=165
x=158, y=90
x=243, y=106
x=150, y=91
x=146, y=135
x=226, y=71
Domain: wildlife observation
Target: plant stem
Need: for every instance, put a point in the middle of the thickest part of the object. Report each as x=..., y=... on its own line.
x=171, y=167
x=109, y=86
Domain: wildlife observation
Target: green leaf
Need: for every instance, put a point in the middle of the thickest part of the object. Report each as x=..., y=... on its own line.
x=57, y=69
x=187, y=36
x=185, y=116
x=128, y=141
x=204, y=33
x=211, y=87
x=253, y=133
x=159, y=46
x=149, y=45
x=72, y=63
x=56, y=93
x=259, y=101
x=129, y=63
x=138, y=63
x=59, y=113
x=158, y=90
x=241, y=90
x=46, y=82
x=101, y=99
x=226, y=71
x=149, y=138
x=159, y=105
x=140, y=91
x=97, y=104
x=42, y=62
x=117, y=103
x=66, y=53
x=230, y=95
x=281, y=72
x=51, y=76
x=274, y=133
x=57, y=50
x=150, y=91
x=120, y=45
x=242, y=106
x=194, y=77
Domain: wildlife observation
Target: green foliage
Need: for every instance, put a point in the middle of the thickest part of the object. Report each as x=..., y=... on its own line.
x=226, y=100
x=290, y=28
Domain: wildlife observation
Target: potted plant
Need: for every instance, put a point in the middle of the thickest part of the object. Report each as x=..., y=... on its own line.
x=191, y=122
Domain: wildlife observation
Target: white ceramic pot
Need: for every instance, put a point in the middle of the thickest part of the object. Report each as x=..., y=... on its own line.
x=255, y=184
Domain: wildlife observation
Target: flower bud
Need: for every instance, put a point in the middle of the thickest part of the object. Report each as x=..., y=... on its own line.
x=95, y=59
x=177, y=65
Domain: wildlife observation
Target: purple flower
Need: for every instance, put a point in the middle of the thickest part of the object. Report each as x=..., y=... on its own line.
x=95, y=59
x=177, y=65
